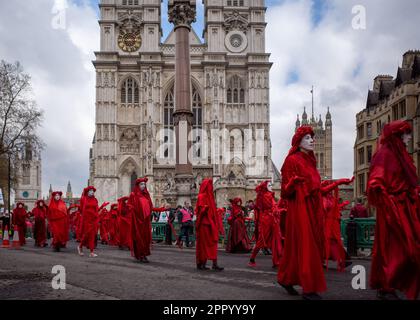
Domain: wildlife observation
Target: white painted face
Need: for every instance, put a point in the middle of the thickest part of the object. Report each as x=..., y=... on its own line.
x=307, y=143
x=270, y=187
x=142, y=186
x=41, y=204
x=406, y=138
x=20, y=206
x=91, y=193
x=57, y=197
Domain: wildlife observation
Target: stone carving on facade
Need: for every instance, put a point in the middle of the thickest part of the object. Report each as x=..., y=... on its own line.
x=182, y=14
x=129, y=141
x=235, y=21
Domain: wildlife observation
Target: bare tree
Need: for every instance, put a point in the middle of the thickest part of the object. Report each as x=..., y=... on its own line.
x=19, y=114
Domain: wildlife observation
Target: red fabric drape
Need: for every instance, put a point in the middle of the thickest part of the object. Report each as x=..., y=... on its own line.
x=90, y=219
x=141, y=226
x=58, y=221
x=304, y=239
x=124, y=216
x=104, y=225
x=207, y=224
x=114, y=226
x=19, y=219
x=40, y=228
x=238, y=240
x=392, y=189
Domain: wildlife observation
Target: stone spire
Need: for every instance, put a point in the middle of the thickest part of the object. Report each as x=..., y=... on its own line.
x=69, y=193
x=304, y=117
x=297, y=122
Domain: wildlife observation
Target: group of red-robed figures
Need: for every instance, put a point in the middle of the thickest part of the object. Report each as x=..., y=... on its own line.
x=55, y=213
x=312, y=233
x=302, y=229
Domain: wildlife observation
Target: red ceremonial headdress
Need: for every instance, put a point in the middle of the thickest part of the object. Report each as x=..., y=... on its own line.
x=86, y=190
x=55, y=193
x=140, y=180
x=297, y=138
x=17, y=204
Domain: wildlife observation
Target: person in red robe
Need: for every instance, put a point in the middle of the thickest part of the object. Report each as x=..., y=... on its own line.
x=238, y=240
x=19, y=219
x=73, y=211
x=40, y=227
x=207, y=227
x=104, y=225
x=58, y=221
x=124, y=215
x=334, y=248
x=141, y=225
x=393, y=189
x=268, y=223
x=302, y=261
x=90, y=219
x=113, y=225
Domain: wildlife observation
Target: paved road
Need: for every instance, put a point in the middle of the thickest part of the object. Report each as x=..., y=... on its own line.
x=26, y=274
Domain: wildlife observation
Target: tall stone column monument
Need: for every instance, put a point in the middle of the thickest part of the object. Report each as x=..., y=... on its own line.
x=182, y=13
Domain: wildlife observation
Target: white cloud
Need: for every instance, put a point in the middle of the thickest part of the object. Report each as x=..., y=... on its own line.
x=63, y=80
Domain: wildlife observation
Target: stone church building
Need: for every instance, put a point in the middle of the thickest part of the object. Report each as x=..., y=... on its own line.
x=135, y=71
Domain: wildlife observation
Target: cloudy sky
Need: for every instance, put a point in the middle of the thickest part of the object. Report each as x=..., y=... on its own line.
x=312, y=42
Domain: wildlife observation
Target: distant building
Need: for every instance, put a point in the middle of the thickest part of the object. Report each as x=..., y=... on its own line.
x=28, y=173
x=389, y=100
x=323, y=141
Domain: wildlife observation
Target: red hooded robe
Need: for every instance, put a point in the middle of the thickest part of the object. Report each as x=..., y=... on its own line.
x=114, y=226
x=104, y=225
x=207, y=225
x=40, y=228
x=393, y=189
x=19, y=219
x=58, y=221
x=238, y=240
x=141, y=225
x=268, y=223
x=304, y=239
x=90, y=219
x=124, y=217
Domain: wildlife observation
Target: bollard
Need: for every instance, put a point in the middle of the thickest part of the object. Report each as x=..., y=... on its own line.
x=351, y=230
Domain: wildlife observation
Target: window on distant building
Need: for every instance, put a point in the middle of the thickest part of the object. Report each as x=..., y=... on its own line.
x=395, y=112
x=361, y=184
x=403, y=109
x=369, y=130
x=369, y=154
x=360, y=132
x=26, y=174
x=361, y=154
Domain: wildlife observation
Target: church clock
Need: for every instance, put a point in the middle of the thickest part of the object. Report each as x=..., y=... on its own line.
x=129, y=41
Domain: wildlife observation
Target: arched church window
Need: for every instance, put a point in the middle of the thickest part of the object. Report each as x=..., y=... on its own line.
x=197, y=109
x=168, y=120
x=235, y=93
x=130, y=91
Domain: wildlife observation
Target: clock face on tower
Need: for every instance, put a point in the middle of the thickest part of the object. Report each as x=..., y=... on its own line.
x=129, y=41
